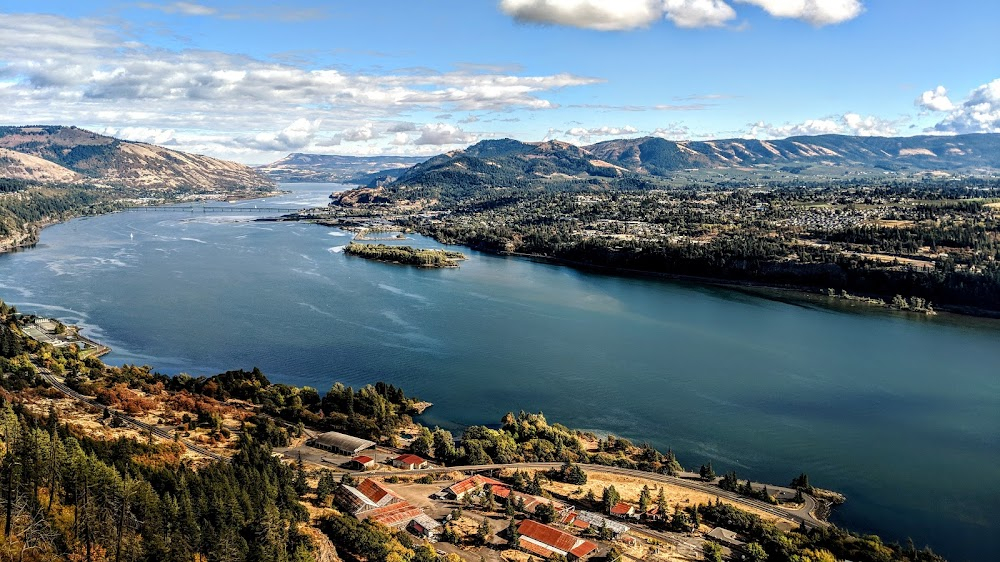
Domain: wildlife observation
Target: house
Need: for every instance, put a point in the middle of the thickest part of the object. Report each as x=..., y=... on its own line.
x=725, y=536
x=340, y=443
x=425, y=527
x=361, y=462
x=591, y=520
x=409, y=462
x=622, y=509
x=458, y=490
x=653, y=514
x=542, y=540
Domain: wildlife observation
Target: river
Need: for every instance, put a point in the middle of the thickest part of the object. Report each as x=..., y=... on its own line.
x=899, y=412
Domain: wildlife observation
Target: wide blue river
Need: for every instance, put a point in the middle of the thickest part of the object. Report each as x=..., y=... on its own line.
x=900, y=413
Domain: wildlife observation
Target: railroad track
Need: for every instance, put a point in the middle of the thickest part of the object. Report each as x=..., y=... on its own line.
x=153, y=429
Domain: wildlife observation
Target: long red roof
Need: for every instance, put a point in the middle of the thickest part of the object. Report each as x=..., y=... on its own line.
x=373, y=490
x=555, y=538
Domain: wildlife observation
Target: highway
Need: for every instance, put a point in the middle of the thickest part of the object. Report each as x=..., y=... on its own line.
x=804, y=515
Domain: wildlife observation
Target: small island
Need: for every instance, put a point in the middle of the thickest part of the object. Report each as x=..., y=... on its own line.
x=406, y=255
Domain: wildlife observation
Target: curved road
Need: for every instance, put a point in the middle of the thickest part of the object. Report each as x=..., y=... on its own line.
x=804, y=515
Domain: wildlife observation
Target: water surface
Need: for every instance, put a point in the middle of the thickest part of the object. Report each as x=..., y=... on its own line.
x=900, y=413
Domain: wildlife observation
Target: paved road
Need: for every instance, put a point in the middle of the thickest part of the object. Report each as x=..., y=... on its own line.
x=155, y=430
x=804, y=515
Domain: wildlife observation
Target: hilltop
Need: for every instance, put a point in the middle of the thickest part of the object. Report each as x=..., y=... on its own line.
x=302, y=167
x=72, y=155
x=52, y=173
x=492, y=166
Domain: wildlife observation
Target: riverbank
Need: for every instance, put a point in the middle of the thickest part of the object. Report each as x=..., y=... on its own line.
x=31, y=231
x=813, y=294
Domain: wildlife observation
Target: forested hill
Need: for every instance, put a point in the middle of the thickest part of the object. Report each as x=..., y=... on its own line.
x=496, y=165
x=69, y=154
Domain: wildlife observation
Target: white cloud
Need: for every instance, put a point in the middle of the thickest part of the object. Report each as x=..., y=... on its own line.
x=88, y=73
x=816, y=12
x=297, y=135
x=360, y=133
x=622, y=15
x=141, y=134
x=602, y=15
x=185, y=8
x=698, y=13
x=979, y=113
x=935, y=100
x=846, y=124
x=673, y=131
x=585, y=134
x=438, y=134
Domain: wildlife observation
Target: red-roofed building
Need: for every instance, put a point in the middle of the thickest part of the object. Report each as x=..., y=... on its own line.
x=622, y=509
x=409, y=462
x=545, y=541
x=366, y=496
x=361, y=463
x=393, y=515
x=373, y=501
x=458, y=490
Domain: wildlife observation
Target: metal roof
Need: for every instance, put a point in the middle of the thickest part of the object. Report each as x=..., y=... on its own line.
x=343, y=441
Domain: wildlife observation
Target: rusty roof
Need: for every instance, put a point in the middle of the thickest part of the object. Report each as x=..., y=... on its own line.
x=471, y=482
x=556, y=539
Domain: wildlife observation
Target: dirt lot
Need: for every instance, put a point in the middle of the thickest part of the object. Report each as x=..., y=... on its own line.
x=629, y=488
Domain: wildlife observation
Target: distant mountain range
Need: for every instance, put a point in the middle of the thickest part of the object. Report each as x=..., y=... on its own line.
x=651, y=161
x=71, y=155
x=301, y=167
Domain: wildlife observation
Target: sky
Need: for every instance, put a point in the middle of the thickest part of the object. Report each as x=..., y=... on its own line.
x=252, y=81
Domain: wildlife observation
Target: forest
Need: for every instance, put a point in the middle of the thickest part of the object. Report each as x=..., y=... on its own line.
x=936, y=242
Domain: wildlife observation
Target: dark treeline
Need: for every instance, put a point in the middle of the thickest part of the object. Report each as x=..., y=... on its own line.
x=69, y=497
x=526, y=437
x=40, y=204
x=817, y=237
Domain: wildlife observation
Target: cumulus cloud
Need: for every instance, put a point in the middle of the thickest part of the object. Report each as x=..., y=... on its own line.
x=816, y=12
x=846, y=124
x=698, y=13
x=978, y=113
x=585, y=134
x=935, y=100
x=438, y=134
x=673, y=131
x=622, y=15
x=299, y=134
x=102, y=78
x=360, y=133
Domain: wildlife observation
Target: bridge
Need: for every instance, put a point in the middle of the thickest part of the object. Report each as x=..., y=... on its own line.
x=212, y=209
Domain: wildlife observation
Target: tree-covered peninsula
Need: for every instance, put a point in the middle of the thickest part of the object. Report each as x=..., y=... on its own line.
x=407, y=255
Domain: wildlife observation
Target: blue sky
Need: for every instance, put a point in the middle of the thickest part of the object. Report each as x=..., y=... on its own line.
x=249, y=81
